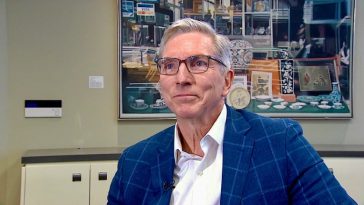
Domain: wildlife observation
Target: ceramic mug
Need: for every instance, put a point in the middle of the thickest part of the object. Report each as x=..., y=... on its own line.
x=159, y=102
x=139, y=102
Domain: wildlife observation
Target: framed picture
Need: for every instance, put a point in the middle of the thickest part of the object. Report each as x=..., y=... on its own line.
x=241, y=79
x=290, y=58
x=128, y=9
x=314, y=78
x=261, y=84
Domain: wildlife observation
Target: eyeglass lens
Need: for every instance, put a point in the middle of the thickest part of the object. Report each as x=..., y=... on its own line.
x=195, y=64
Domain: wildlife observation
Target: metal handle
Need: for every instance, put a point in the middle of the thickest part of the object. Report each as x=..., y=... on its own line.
x=76, y=177
x=102, y=176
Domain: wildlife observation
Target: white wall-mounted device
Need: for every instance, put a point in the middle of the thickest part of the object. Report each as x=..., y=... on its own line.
x=43, y=108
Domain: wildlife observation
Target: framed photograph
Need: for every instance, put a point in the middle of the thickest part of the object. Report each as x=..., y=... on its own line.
x=261, y=84
x=314, y=78
x=271, y=67
x=290, y=58
x=242, y=80
x=128, y=9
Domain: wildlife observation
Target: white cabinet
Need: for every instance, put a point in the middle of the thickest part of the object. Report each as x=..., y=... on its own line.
x=100, y=178
x=349, y=171
x=73, y=183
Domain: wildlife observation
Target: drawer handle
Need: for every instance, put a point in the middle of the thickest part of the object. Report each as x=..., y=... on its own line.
x=102, y=176
x=76, y=177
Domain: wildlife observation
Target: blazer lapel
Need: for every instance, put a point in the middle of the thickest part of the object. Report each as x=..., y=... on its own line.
x=162, y=169
x=237, y=150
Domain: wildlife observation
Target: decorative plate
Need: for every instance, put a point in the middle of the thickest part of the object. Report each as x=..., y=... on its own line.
x=279, y=107
x=324, y=107
x=238, y=97
x=263, y=107
x=308, y=99
x=156, y=106
x=135, y=107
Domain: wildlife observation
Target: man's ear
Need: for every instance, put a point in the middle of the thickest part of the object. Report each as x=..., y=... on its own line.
x=229, y=78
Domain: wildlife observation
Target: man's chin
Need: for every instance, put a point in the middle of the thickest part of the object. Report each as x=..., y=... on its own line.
x=186, y=112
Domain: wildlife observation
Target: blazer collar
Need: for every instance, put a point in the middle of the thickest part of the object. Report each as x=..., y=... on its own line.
x=237, y=151
x=162, y=168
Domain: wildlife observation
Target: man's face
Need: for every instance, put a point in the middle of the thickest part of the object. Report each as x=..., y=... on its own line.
x=191, y=95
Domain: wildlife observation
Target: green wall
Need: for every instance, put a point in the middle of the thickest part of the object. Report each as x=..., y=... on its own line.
x=48, y=48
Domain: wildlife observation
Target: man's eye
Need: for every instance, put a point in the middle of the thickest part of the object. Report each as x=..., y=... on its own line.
x=200, y=63
x=169, y=66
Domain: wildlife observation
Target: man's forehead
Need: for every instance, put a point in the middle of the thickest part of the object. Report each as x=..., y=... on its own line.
x=184, y=45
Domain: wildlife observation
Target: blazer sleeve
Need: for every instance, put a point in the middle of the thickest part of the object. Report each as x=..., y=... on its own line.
x=115, y=195
x=310, y=181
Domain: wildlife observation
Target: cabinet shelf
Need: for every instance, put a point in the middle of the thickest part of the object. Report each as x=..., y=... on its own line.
x=259, y=13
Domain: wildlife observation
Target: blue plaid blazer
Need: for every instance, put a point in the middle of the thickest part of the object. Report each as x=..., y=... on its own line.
x=265, y=161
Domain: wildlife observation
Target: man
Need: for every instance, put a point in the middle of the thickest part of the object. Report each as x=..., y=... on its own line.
x=215, y=154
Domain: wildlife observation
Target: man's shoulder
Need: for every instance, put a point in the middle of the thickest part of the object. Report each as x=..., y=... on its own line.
x=150, y=145
x=264, y=126
x=255, y=119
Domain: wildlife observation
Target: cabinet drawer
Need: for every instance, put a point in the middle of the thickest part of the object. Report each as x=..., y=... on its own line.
x=349, y=172
x=57, y=183
x=101, y=175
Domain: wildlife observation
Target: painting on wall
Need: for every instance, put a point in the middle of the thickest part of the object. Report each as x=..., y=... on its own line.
x=261, y=84
x=314, y=78
x=289, y=58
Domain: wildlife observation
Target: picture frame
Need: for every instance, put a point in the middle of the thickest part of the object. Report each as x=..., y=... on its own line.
x=275, y=38
x=314, y=78
x=261, y=84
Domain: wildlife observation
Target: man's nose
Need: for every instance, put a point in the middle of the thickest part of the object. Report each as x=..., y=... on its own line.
x=183, y=74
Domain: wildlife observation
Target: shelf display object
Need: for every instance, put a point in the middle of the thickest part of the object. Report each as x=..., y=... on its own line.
x=290, y=59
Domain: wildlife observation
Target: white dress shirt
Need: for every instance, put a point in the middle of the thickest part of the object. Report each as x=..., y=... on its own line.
x=198, y=179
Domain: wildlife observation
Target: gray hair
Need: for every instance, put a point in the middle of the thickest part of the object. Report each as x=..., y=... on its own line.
x=221, y=44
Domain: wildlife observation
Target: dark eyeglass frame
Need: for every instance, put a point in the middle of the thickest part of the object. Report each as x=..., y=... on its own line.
x=158, y=60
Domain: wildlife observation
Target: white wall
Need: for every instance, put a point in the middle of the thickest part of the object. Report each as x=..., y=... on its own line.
x=3, y=102
x=52, y=48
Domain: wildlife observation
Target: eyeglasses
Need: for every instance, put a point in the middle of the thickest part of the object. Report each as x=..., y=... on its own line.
x=194, y=64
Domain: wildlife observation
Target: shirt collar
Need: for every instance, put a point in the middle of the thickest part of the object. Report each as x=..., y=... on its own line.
x=216, y=133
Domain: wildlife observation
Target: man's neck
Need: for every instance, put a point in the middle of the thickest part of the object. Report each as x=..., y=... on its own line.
x=191, y=131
